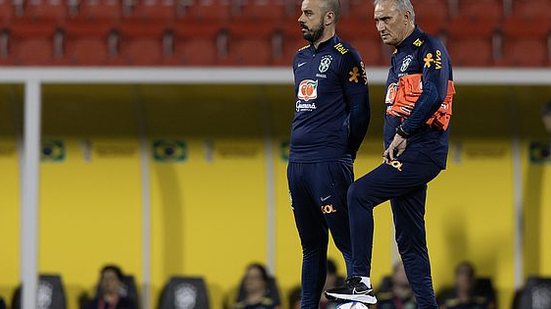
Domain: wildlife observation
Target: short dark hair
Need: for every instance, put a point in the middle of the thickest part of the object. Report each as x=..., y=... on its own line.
x=262, y=269
x=114, y=268
x=467, y=266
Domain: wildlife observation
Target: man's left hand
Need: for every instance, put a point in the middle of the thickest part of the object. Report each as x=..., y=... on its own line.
x=395, y=149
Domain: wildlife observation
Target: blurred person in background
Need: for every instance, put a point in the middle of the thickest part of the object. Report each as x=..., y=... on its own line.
x=465, y=294
x=2, y=303
x=111, y=292
x=294, y=298
x=418, y=110
x=255, y=290
x=332, y=280
x=330, y=122
x=546, y=117
x=398, y=295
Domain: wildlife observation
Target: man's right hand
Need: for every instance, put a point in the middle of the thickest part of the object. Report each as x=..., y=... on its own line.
x=395, y=149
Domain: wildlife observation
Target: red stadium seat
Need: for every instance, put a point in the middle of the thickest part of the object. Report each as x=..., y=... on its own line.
x=142, y=51
x=87, y=51
x=371, y=51
x=87, y=42
x=195, y=43
x=32, y=42
x=361, y=9
x=293, y=9
x=263, y=9
x=101, y=9
x=432, y=26
x=291, y=40
x=525, y=42
x=532, y=8
x=141, y=43
x=432, y=9
x=7, y=12
x=156, y=10
x=364, y=37
x=4, y=46
x=46, y=9
x=250, y=43
x=432, y=16
x=484, y=9
x=470, y=42
x=219, y=10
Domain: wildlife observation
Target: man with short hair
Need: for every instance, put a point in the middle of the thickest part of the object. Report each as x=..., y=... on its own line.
x=418, y=100
x=330, y=122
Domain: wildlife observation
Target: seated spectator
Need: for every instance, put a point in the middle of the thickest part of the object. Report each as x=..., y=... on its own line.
x=295, y=297
x=256, y=290
x=465, y=294
x=2, y=303
x=111, y=293
x=332, y=280
x=546, y=117
x=398, y=295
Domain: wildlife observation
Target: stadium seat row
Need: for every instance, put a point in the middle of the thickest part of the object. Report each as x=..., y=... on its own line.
x=254, y=9
x=52, y=295
x=514, y=42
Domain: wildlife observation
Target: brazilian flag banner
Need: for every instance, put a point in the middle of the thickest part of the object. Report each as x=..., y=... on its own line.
x=540, y=152
x=169, y=150
x=53, y=151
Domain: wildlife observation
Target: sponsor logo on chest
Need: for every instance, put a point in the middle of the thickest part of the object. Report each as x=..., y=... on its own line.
x=308, y=90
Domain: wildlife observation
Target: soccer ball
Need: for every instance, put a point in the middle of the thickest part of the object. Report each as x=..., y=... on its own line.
x=352, y=305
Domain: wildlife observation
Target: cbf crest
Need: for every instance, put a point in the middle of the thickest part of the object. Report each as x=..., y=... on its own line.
x=405, y=63
x=325, y=62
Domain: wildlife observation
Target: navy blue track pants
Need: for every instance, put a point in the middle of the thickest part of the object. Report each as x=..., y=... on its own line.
x=318, y=198
x=404, y=183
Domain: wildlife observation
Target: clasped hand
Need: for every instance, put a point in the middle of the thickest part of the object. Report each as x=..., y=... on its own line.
x=395, y=149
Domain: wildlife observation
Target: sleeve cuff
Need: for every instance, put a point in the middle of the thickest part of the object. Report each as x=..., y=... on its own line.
x=400, y=131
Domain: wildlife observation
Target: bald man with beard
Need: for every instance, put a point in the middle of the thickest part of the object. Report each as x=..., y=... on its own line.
x=330, y=122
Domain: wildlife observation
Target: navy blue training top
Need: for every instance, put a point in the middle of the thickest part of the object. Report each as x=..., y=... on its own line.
x=332, y=103
x=421, y=53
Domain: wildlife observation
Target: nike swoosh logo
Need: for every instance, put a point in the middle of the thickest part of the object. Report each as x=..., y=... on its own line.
x=323, y=199
x=301, y=64
x=354, y=291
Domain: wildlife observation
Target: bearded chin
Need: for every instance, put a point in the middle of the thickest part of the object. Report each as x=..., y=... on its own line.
x=315, y=34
